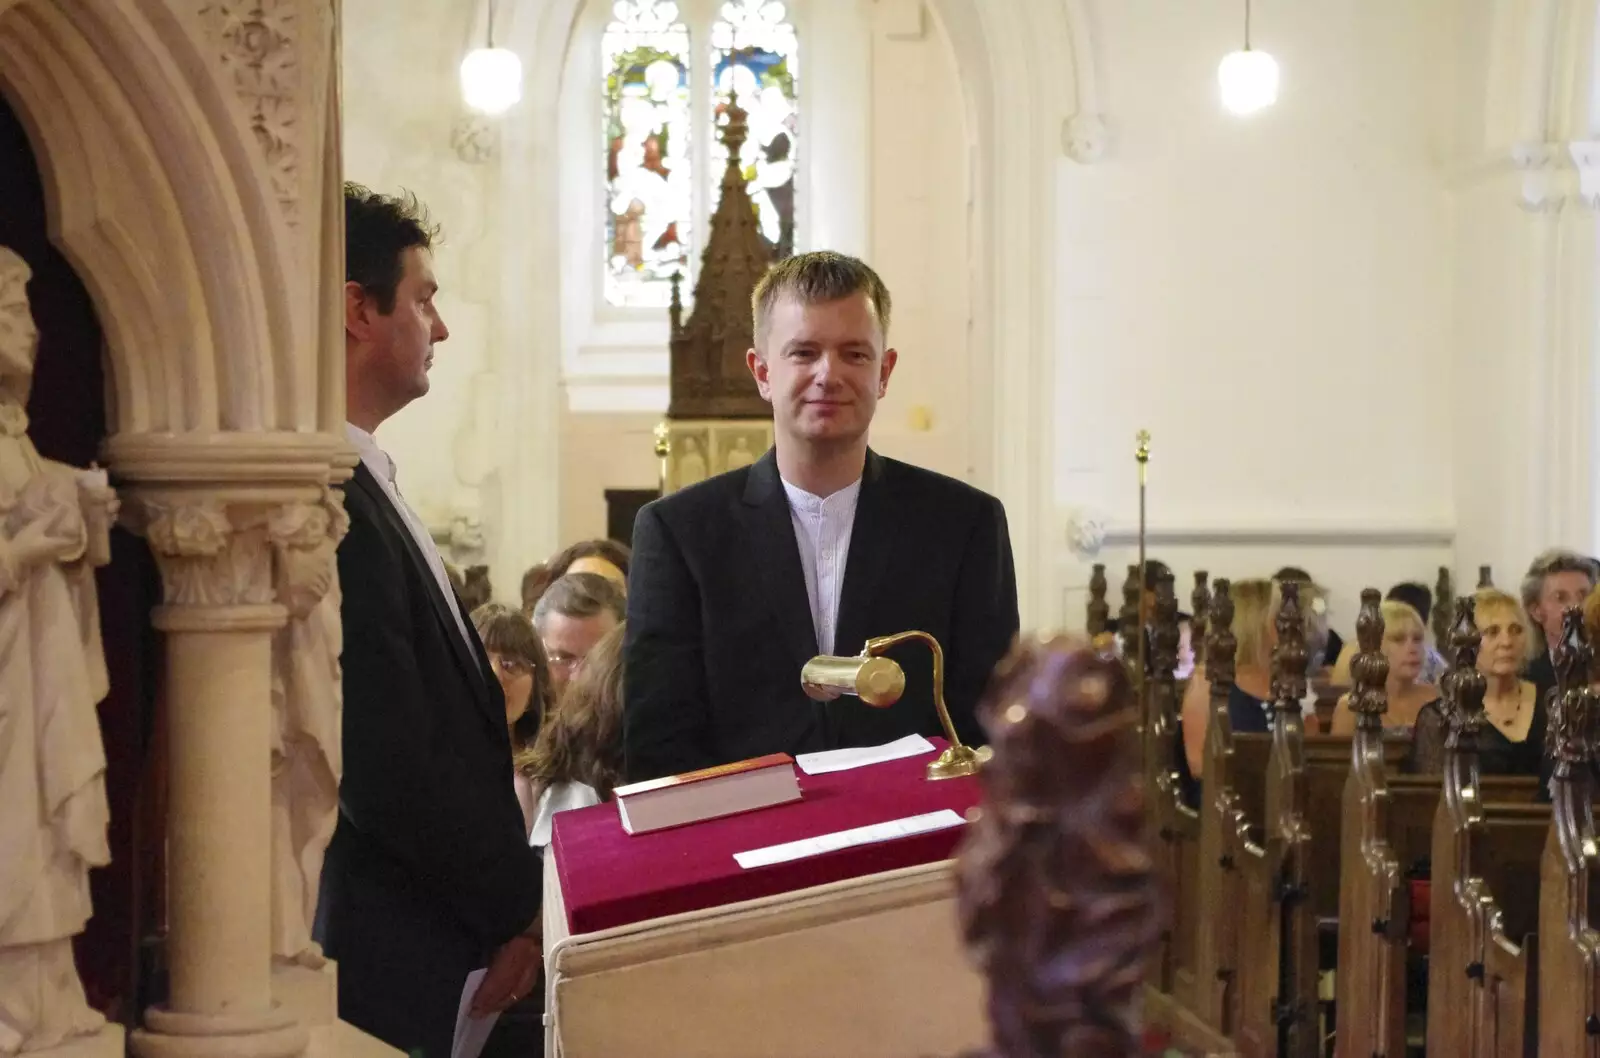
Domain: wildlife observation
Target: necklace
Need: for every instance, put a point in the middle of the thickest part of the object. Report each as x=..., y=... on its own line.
x=1509, y=721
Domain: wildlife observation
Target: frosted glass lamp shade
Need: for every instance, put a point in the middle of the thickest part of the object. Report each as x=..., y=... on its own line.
x=491, y=79
x=1249, y=81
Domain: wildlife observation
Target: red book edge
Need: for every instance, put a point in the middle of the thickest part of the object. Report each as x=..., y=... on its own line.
x=771, y=760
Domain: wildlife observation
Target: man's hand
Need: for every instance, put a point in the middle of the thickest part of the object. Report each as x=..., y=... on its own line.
x=511, y=975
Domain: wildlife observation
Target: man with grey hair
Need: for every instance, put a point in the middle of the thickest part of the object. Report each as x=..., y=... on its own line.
x=572, y=615
x=1557, y=580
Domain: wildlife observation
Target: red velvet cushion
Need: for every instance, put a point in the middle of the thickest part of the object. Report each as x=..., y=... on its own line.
x=609, y=878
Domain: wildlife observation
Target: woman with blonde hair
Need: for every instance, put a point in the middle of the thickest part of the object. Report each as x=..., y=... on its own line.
x=1255, y=612
x=1403, y=645
x=1511, y=740
x=577, y=759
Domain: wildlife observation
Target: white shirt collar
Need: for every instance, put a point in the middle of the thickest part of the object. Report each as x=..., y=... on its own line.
x=376, y=459
x=843, y=499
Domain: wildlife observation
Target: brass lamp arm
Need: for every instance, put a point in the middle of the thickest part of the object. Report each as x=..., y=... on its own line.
x=880, y=645
x=958, y=759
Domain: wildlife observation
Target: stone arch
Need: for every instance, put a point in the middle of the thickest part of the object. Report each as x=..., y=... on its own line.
x=1030, y=80
x=160, y=201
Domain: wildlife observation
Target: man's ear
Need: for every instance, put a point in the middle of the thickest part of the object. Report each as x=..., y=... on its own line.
x=758, y=371
x=890, y=358
x=359, y=311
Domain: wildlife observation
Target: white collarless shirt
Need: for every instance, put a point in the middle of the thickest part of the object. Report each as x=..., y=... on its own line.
x=822, y=528
x=382, y=467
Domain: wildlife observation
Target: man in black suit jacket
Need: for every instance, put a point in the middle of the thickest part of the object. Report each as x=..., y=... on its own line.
x=429, y=875
x=738, y=581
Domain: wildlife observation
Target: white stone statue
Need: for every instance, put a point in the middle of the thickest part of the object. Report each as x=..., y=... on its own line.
x=692, y=464
x=306, y=702
x=55, y=524
x=740, y=454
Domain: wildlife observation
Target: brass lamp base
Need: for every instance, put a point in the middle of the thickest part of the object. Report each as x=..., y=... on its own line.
x=954, y=762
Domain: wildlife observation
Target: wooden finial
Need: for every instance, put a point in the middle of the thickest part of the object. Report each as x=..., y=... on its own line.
x=1289, y=656
x=1568, y=740
x=1057, y=892
x=1099, y=609
x=1221, y=647
x=1129, y=618
x=1164, y=632
x=1444, y=605
x=1463, y=687
x=675, y=309
x=1369, y=698
x=1199, y=607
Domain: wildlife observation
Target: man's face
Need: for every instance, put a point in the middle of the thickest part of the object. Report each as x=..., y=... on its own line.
x=822, y=367
x=1558, y=592
x=402, y=341
x=568, y=640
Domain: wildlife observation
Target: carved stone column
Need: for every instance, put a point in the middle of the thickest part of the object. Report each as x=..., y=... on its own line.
x=215, y=552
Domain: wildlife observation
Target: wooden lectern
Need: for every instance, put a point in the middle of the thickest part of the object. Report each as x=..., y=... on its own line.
x=661, y=945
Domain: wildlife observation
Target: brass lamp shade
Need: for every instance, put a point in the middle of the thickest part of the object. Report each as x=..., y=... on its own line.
x=877, y=681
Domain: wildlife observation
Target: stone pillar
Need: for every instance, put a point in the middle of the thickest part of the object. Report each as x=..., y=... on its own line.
x=219, y=614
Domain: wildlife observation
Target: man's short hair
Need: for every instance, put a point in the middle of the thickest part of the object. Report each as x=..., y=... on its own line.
x=818, y=276
x=378, y=230
x=580, y=595
x=1548, y=563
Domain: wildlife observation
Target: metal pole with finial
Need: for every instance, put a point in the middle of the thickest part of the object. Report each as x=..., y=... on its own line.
x=1142, y=454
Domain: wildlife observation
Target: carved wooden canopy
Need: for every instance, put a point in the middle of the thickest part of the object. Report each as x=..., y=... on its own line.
x=708, y=375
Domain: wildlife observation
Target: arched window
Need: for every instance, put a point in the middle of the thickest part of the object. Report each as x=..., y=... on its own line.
x=645, y=63
x=754, y=54
x=660, y=117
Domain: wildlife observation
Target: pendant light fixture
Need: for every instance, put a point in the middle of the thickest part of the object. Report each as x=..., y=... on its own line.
x=491, y=77
x=1248, y=78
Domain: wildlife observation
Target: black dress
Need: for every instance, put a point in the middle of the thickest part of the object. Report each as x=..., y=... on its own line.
x=1497, y=754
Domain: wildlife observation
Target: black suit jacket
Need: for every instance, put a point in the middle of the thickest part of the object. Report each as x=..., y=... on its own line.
x=429, y=870
x=719, y=624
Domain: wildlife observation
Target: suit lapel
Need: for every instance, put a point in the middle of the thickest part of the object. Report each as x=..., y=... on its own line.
x=470, y=665
x=773, y=551
x=872, y=545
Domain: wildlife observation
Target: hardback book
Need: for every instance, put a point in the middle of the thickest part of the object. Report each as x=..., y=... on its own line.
x=726, y=790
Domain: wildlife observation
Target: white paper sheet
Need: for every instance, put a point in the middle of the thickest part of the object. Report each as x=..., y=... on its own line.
x=894, y=828
x=845, y=759
x=471, y=1033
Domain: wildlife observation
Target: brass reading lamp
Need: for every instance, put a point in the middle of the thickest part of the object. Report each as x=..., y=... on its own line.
x=880, y=682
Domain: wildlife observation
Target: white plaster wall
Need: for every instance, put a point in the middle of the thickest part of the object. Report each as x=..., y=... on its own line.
x=1270, y=297
x=920, y=240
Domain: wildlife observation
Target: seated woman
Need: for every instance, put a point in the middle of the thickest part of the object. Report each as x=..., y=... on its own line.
x=1403, y=643
x=577, y=758
x=1511, y=740
x=1255, y=603
x=519, y=664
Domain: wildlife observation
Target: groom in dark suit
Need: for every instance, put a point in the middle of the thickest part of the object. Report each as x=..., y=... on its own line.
x=738, y=581
x=429, y=875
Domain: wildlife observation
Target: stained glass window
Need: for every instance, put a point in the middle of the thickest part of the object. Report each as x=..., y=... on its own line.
x=645, y=60
x=754, y=54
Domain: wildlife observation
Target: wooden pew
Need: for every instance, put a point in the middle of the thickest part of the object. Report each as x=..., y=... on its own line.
x=1277, y=966
x=1485, y=862
x=1569, y=947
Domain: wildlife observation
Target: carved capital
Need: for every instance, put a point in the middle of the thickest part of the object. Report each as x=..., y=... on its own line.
x=1544, y=179
x=208, y=555
x=1585, y=155
x=1084, y=137
x=475, y=138
x=304, y=538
